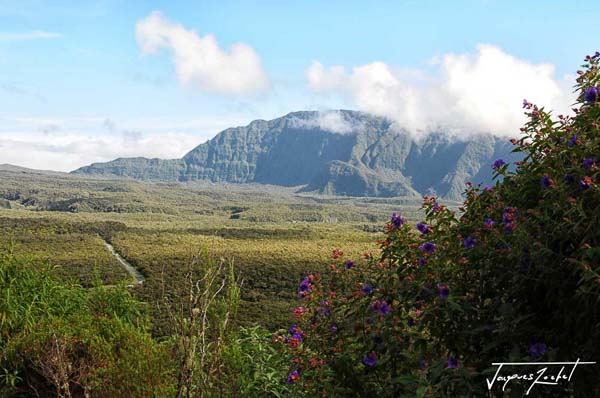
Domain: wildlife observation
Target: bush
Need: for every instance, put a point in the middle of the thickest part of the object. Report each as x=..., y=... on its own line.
x=514, y=277
x=63, y=340
x=255, y=365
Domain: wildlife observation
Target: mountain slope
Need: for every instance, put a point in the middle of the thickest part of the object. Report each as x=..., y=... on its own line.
x=342, y=152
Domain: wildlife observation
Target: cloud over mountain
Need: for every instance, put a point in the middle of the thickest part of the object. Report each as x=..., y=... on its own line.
x=479, y=91
x=199, y=61
x=333, y=121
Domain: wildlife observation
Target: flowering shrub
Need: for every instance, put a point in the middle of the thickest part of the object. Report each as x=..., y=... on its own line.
x=514, y=277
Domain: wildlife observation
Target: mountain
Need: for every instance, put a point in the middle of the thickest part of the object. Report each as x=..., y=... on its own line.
x=339, y=152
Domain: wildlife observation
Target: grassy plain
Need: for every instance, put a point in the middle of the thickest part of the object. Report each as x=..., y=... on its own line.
x=273, y=235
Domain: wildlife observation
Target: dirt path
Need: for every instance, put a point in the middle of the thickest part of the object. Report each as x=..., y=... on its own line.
x=139, y=278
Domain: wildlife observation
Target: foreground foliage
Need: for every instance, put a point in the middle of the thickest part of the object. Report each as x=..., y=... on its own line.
x=62, y=340
x=514, y=278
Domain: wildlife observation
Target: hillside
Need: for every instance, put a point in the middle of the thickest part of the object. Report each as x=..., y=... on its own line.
x=338, y=153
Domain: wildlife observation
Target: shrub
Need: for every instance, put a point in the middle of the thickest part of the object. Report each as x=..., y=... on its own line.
x=62, y=340
x=214, y=358
x=255, y=365
x=514, y=277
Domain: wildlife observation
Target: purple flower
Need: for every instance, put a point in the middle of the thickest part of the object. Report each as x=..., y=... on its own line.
x=410, y=322
x=591, y=95
x=370, y=359
x=296, y=333
x=384, y=309
x=587, y=163
x=509, y=219
x=424, y=229
x=366, y=289
x=489, y=223
x=381, y=307
x=427, y=247
x=397, y=220
x=324, y=309
x=498, y=164
x=423, y=364
x=537, y=349
x=469, y=243
x=569, y=178
x=304, y=287
x=443, y=291
x=546, y=181
x=298, y=336
x=573, y=140
x=294, y=330
x=488, y=188
x=597, y=54
x=293, y=377
x=452, y=363
x=510, y=214
x=421, y=261
x=333, y=328
x=349, y=264
x=510, y=227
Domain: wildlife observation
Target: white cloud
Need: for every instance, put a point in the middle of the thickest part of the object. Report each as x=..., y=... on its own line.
x=66, y=152
x=31, y=35
x=199, y=61
x=468, y=92
x=330, y=120
x=57, y=143
x=335, y=122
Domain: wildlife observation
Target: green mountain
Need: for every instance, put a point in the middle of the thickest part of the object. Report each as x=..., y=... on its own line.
x=341, y=152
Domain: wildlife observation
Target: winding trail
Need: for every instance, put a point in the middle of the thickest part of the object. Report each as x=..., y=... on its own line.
x=139, y=278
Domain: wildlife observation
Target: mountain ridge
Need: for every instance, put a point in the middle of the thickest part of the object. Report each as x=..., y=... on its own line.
x=337, y=152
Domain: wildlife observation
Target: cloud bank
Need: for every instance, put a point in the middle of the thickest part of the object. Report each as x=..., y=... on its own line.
x=199, y=61
x=64, y=144
x=66, y=152
x=473, y=92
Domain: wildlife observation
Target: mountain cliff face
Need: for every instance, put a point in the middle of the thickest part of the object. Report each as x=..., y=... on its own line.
x=342, y=152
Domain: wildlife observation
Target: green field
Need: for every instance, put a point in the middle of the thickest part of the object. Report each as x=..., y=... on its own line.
x=272, y=235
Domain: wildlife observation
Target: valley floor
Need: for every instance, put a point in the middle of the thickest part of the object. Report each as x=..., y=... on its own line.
x=272, y=235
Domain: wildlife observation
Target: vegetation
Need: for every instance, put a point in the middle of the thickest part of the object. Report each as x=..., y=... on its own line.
x=75, y=249
x=272, y=235
x=60, y=339
x=515, y=277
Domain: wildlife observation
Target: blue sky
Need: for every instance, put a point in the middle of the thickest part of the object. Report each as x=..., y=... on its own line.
x=88, y=81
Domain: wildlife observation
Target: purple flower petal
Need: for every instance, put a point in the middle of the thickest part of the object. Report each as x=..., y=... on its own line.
x=443, y=291
x=591, y=95
x=427, y=247
x=498, y=164
x=452, y=363
x=370, y=359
